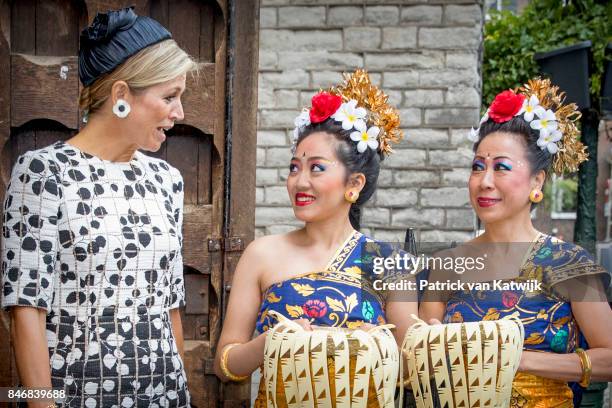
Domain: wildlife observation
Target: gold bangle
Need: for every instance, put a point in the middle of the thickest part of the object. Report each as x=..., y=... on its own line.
x=223, y=364
x=585, y=363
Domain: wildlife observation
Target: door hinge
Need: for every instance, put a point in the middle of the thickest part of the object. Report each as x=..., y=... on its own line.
x=233, y=244
x=214, y=244
x=230, y=244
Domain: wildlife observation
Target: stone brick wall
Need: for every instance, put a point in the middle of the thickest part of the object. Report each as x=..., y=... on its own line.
x=425, y=55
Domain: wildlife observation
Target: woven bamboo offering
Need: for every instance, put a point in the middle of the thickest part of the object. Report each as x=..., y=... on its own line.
x=469, y=364
x=329, y=367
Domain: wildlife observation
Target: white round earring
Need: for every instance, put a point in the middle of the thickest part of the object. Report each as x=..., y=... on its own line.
x=121, y=108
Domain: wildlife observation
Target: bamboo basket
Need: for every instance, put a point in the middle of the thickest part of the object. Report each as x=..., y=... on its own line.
x=329, y=367
x=469, y=364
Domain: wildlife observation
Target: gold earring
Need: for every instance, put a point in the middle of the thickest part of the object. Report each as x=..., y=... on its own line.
x=351, y=196
x=536, y=195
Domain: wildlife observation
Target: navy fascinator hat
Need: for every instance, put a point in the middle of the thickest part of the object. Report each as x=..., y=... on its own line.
x=112, y=38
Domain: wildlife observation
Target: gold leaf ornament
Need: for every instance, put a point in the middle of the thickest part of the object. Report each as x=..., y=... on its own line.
x=353, y=271
x=359, y=87
x=303, y=289
x=534, y=338
x=571, y=151
x=335, y=304
x=351, y=302
x=294, y=310
x=558, y=323
x=353, y=325
x=492, y=314
x=272, y=298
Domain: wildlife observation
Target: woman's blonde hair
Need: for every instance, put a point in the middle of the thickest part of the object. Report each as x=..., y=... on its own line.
x=152, y=65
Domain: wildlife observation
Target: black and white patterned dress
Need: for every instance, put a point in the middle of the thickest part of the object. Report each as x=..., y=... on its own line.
x=97, y=244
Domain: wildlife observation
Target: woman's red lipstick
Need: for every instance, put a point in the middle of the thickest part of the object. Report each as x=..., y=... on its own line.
x=303, y=199
x=487, y=201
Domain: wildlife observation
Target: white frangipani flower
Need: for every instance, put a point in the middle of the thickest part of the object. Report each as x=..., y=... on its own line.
x=300, y=122
x=365, y=137
x=484, y=118
x=303, y=119
x=549, y=141
x=296, y=135
x=546, y=123
x=349, y=114
x=473, y=135
x=530, y=108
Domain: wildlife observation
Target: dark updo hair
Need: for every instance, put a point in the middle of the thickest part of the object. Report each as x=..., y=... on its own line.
x=538, y=158
x=367, y=162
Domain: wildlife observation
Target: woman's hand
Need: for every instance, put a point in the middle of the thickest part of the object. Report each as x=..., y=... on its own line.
x=29, y=334
x=241, y=315
x=305, y=324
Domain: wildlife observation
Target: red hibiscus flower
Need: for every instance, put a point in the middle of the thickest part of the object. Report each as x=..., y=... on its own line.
x=509, y=299
x=505, y=106
x=324, y=105
x=315, y=308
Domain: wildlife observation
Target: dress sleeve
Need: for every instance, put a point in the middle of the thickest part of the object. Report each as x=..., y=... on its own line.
x=570, y=262
x=177, y=286
x=30, y=233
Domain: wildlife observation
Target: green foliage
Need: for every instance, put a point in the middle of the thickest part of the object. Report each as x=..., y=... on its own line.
x=512, y=40
x=561, y=194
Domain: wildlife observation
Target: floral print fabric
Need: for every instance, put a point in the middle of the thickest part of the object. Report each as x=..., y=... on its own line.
x=546, y=315
x=339, y=296
x=97, y=245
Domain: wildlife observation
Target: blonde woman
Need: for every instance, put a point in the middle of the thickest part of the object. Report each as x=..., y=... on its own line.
x=92, y=267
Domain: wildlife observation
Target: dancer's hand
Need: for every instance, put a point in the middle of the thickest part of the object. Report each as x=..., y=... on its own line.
x=304, y=323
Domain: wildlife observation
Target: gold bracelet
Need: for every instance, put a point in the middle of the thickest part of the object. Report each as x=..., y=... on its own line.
x=585, y=363
x=223, y=364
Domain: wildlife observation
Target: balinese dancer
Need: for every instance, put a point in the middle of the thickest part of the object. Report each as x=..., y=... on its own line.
x=318, y=274
x=523, y=138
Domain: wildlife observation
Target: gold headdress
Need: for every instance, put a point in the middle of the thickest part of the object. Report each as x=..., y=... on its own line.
x=541, y=105
x=571, y=151
x=359, y=87
x=360, y=106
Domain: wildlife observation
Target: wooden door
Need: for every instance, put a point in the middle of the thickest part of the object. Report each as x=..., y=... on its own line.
x=39, y=90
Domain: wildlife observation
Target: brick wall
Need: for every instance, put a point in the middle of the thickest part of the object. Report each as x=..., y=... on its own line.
x=425, y=55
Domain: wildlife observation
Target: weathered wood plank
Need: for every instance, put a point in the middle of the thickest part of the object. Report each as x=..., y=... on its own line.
x=183, y=154
x=8, y=371
x=205, y=159
x=243, y=93
x=184, y=24
x=101, y=6
x=44, y=87
x=25, y=141
x=159, y=11
x=161, y=153
x=5, y=91
x=196, y=286
x=57, y=24
x=198, y=100
x=45, y=137
x=23, y=27
x=196, y=227
x=207, y=33
x=217, y=291
x=202, y=386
